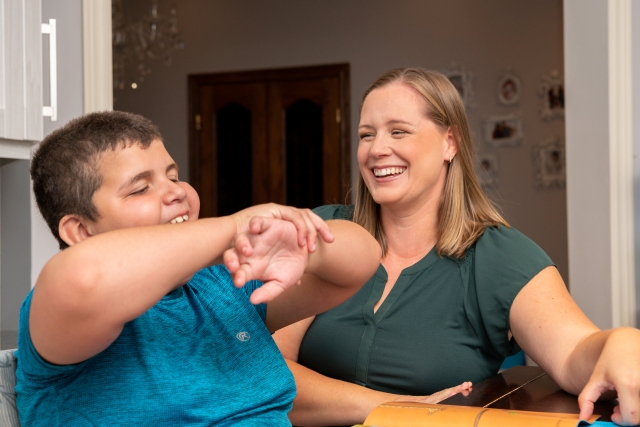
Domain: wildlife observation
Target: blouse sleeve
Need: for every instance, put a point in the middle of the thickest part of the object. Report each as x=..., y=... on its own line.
x=328, y=212
x=505, y=261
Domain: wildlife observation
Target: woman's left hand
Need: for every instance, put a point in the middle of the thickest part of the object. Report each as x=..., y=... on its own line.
x=617, y=369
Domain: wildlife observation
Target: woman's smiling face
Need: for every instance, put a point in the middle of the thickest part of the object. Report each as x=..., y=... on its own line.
x=403, y=156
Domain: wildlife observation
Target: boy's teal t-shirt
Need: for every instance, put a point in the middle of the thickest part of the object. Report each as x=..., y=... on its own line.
x=201, y=356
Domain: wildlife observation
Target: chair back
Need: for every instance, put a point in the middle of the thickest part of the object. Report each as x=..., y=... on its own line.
x=8, y=411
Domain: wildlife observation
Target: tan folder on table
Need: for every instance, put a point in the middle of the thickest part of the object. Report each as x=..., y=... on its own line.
x=409, y=414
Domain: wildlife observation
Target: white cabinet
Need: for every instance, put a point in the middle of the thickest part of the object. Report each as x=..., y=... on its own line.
x=20, y=77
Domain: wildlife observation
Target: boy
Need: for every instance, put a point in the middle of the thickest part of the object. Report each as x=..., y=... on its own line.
x=129, y=326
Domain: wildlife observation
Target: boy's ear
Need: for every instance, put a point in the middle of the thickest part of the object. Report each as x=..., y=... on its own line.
x=72, y=229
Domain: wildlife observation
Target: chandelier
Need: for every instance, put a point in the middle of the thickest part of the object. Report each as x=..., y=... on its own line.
x=153, y=37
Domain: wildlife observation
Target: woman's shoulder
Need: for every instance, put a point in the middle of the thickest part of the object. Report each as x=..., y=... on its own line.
x=328, y=212
x=503, y=247
x=506, y=239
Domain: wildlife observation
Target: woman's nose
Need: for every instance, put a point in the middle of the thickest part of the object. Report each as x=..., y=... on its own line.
x=379, y=147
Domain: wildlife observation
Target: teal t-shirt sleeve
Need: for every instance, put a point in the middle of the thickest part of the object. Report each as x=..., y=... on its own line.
x=328, y=212
x=33, y=365
x=505, y=261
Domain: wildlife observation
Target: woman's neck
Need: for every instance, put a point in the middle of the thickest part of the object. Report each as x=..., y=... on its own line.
x=410, y=233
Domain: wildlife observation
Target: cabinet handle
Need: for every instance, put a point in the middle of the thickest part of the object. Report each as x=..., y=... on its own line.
x=52, y=111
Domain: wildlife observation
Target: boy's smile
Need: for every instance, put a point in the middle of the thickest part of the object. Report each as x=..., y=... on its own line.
x=141, y=187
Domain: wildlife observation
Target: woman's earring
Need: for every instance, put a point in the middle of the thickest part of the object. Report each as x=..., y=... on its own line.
x=450, y=158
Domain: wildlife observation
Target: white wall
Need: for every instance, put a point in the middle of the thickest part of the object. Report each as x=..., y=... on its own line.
x=488, y=37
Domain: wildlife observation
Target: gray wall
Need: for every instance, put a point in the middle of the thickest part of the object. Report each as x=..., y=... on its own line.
x=68, y=14
x=487, y=37
x=15, y=246
x=635, y=25
x=27, y=243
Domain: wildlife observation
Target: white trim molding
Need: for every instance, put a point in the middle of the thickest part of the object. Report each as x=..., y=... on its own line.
x=623, y=298
x=97, y=55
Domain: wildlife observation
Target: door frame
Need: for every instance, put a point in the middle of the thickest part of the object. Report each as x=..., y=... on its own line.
x=341, y=71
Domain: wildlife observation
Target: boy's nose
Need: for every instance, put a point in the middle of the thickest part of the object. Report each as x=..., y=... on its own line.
x=175, y=193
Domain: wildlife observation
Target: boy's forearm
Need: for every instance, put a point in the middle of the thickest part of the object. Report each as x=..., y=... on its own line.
x=135, y=267
x=350, y=260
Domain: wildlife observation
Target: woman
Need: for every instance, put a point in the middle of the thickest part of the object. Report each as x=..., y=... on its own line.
x=457, y=286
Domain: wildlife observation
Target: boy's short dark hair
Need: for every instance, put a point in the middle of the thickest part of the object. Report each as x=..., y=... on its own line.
x=65, y=168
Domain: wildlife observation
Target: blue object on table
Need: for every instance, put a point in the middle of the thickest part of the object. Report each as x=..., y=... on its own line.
x=515, y=360
x=603, y=424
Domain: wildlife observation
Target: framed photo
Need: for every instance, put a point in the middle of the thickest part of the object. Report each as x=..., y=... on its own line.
x=487, y=170
x=503, y=130
x=549, y=163
x=551, y=92
x=462, y=80
x=509, y=89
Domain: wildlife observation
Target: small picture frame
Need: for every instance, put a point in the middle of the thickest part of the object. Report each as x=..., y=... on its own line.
x=503, y=130
x=462, y=80
x=549, y=163
x=509, y=89
x=487, y=170
x=551, y=92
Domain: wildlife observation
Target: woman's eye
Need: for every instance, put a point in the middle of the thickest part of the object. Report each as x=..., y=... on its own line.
x=176, y=180
x=365, y=136
x=398, y=132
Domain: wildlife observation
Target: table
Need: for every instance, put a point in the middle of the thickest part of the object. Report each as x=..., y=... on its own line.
x=526, y=388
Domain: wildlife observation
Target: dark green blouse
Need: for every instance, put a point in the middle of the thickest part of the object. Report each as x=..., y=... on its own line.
x=445, y=321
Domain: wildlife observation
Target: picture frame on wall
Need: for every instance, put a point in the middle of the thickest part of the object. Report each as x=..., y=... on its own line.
x=487, y=170
x=509, y=89
x=462, y=80
x=504, y=130
x=551, y=92
x=549, y=163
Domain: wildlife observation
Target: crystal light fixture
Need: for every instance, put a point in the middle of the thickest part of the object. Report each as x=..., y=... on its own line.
x=153, y=37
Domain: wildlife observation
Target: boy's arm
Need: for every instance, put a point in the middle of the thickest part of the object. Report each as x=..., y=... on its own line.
x=86, y=293
x=328, y=276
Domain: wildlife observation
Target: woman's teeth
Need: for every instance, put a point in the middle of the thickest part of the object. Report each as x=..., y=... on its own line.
x=388, y=171
x=179, y=219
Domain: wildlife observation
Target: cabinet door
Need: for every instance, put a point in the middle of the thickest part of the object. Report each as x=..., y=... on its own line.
x=20, y=70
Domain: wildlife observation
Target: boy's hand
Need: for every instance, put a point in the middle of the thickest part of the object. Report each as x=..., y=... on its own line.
x=308, y=225
x=269, y=252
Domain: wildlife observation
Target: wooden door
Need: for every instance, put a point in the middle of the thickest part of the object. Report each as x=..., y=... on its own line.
x=269, y=136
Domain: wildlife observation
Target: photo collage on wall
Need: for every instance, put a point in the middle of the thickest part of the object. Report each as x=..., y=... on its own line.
x=506, y=129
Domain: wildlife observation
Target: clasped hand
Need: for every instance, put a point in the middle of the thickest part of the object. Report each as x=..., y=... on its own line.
x=269, y=251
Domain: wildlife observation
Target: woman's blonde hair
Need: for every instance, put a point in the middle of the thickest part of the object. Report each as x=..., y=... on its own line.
x=465, y=211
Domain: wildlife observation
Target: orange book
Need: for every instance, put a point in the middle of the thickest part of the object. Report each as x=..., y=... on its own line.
x=409, y=414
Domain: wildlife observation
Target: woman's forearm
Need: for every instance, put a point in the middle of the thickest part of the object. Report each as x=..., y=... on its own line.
x=323, y=401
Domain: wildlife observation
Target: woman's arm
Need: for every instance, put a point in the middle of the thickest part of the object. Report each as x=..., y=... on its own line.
x=324, y=401
x=553, y=331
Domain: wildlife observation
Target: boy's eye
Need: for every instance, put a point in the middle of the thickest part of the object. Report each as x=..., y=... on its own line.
x=140, y=191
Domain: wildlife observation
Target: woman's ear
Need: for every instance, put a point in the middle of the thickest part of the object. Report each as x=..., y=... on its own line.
x=452, y=143
x=72, y=229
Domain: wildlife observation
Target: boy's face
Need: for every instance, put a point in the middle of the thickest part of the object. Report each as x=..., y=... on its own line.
x=140, y=187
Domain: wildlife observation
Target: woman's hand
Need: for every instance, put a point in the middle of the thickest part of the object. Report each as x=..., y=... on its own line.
x=308, y=224
x=464, y=388
x=617, y=368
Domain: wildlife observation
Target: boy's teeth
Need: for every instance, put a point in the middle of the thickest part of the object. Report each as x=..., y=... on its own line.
x=179, y=219
x=388, y=171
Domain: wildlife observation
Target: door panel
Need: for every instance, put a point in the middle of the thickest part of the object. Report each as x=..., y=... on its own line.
x=269, y=136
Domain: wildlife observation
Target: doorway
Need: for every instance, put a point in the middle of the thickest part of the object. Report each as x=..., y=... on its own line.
x=279, y=135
